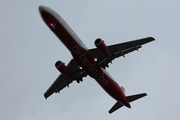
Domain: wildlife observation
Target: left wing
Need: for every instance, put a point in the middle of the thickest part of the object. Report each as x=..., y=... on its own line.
x=64, y=80
x=117, y=50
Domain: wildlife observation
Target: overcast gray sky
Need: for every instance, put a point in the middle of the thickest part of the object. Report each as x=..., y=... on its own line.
x=28, y=51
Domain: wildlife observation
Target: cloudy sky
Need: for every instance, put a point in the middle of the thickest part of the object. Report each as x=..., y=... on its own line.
x=28, y=51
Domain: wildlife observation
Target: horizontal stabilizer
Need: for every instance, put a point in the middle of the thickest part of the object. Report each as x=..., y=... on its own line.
x=116, y=106
x=135, y=97
x=131, y=98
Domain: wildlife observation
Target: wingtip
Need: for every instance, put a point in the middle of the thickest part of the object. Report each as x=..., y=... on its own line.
x=152, y=38
x=45, y=96
x=110, y=111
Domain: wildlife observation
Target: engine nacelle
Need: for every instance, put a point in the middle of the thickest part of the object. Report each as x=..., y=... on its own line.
x=101, y=45
x=61, y=67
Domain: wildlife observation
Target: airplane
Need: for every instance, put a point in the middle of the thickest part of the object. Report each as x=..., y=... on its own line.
x=92, y=62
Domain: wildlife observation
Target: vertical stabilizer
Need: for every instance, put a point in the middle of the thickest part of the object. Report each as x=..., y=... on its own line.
x=122, y=88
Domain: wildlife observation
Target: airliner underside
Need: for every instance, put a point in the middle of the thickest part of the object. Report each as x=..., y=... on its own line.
x=92, y=62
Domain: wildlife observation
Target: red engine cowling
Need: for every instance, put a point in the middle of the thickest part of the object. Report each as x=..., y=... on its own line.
x=101, y=45
x=61, y=67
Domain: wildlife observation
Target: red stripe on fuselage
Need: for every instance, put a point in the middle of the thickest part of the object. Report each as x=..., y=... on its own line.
x=84, y=59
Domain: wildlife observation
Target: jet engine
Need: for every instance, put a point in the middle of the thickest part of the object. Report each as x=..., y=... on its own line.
x=101, y=45
x=61, y=67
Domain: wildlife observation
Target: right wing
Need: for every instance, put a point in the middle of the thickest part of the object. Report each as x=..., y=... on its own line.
x=64, y=80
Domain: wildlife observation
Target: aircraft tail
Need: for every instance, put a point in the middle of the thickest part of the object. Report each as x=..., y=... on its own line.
x=131, y=98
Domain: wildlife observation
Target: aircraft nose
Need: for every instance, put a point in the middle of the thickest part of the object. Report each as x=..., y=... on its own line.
x=41, y=8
